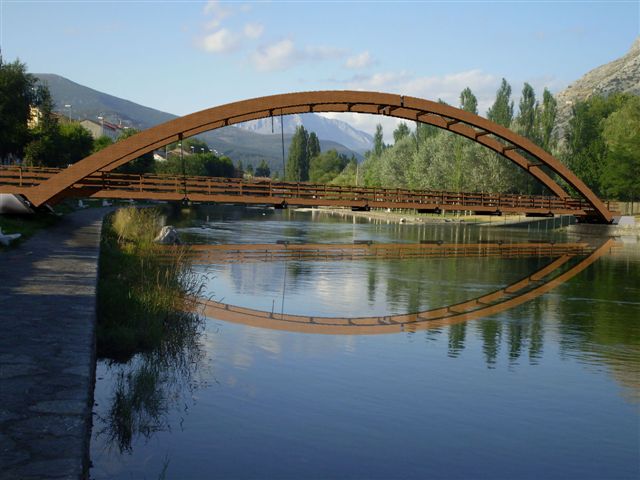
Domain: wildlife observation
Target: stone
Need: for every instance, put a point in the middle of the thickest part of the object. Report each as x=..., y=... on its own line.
x=168, y=236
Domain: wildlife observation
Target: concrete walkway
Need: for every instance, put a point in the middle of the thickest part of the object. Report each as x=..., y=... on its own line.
x=47, y=349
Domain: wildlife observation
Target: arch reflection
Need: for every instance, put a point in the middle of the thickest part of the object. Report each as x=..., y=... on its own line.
x=543, y=280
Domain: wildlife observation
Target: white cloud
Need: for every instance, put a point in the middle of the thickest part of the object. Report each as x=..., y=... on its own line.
x=283, y=54
x=215, y=8
x=253, y=30
x=361, y=60
x=446, y=87
x=276, y=56
x=222, y=41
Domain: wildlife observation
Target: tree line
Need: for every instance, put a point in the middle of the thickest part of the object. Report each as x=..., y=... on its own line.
x=601, y=145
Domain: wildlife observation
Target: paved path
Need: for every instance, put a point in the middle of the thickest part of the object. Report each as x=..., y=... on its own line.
x=47, y=349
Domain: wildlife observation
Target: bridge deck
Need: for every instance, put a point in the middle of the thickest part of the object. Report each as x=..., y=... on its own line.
x=111, y=185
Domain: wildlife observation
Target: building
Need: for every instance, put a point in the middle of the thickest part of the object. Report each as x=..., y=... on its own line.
x=102, y=128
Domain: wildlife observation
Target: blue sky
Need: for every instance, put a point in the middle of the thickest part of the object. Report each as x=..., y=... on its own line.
x=182, y=57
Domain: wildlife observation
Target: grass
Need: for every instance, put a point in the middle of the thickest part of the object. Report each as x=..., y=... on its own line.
x=145, y=291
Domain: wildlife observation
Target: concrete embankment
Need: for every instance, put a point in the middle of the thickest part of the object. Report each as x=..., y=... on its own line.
x=47, y=349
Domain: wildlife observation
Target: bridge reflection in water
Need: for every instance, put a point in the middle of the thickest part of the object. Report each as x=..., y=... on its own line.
x=569, y=259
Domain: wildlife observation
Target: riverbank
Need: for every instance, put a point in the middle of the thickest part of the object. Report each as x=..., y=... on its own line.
x=47, y=357
x=413, y=218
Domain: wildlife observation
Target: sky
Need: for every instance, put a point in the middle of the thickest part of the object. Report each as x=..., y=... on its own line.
x=185, y=56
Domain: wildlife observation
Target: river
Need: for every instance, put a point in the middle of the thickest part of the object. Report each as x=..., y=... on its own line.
x=549, y=388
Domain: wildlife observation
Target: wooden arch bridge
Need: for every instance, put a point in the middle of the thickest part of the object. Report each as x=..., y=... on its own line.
x=94, y=176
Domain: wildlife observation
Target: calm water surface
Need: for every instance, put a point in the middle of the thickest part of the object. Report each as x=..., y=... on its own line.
x=548, y=389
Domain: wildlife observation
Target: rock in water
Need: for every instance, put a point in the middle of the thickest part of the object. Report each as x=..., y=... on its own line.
x=6, y=239
x=168, y=236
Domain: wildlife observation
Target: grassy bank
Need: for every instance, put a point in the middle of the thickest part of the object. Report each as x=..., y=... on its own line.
x=144, y=289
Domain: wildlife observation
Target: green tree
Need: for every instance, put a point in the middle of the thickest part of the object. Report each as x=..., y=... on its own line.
x=239, y=173
x=101, y=143
x=313, y=146
x=198, y=164
x=586, y=150
x=250, y=170
x=263, y=169
x=545, y=121
x=57, y=145
x=621, y=133
x=501, y=111
x=401, y=131
x=298, y=161
x=378, y=141
x=527, y=112
x=17, y=95
x=468, y=101
x=327, y=166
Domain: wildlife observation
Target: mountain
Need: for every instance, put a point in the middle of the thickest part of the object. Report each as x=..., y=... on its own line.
x=324, y=128
x=240, y=144
x=621, y=75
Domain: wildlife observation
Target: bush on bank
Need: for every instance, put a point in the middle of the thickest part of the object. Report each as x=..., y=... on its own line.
x=145, y=290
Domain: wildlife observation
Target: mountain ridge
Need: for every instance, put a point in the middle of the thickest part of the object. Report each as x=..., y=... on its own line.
x=619, y=75
x=237, y=143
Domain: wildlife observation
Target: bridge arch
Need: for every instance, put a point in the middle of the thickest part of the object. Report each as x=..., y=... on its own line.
x=489, y=134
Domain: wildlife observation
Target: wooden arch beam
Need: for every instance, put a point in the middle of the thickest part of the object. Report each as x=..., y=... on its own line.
x=493, y=136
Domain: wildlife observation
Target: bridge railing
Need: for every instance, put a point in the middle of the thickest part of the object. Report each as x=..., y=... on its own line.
x=290, y=192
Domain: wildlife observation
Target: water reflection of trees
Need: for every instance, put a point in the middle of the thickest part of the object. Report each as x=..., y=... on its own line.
x=146, y=388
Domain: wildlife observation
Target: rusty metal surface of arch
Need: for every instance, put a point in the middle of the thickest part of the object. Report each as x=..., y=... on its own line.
x=489, y=134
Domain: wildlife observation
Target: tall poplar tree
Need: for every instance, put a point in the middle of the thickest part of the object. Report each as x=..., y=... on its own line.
x=527, y=112
x=545, y=121
x=501, y=111
x=400, y=132
x=313, y=146
x=378, y=141
x=468, y=101
x=298, y=161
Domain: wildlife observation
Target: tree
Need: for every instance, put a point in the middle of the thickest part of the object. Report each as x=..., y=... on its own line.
x=545, y=121
x=17, y=95
x=313, y=146
x=400, y=132
x=586, y=150
x=101, y=142
x=621, y=134
x=527, y=112
x=57, y=145
x=249, y=169
x=239, y=173
x=502, y=110
x=468, y=101
x=378, y=141
x=298, y=161
x=327, y=166
x=263, y=169
x=198, y=164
